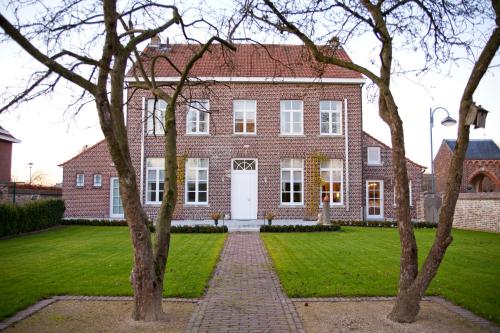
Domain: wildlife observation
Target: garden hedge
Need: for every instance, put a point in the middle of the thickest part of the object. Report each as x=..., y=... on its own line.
x=31, y=216
x=382, y=224
x=298, y=228
x=181, y=229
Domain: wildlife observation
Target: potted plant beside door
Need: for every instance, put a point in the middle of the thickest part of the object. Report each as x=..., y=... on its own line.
x=216, y=217
x=269, y=217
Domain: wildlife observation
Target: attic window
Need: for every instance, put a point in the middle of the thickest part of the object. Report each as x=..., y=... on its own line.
x=374, y=156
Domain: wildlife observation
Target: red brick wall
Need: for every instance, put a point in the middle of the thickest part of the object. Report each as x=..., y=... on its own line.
x=384, y=172
x=267, y=146
x=471, y=168
x=5, y=160
x=441, y=164
x=88, y=201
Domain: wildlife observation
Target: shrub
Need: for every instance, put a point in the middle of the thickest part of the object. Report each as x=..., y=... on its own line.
x=383, y=224
x=181, y=229
x=298, y=228
x=32, y=216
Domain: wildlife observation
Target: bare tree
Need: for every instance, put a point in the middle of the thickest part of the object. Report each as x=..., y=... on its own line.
x=435, y=29
x=98, y=66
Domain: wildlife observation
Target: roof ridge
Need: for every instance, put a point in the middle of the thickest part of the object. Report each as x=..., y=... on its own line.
x=82, y=152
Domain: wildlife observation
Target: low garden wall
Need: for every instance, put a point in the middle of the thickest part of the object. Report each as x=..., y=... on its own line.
x=478, y=211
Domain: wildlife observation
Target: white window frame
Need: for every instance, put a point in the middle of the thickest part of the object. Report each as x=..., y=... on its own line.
x=80, y=176
x=156, y=165
x=382, y=200
x=292, y=180
x=330, y=113
x=245, y=110
x=198, y=113
x=154, y=118
x=196, y=169
x=378, y=152
x=411, y=194
x=97, y=176
x=330, y=171
x=111, y=213
x=291, y=111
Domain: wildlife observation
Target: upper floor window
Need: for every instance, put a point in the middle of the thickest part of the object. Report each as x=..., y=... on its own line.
x=330, y=117
x=374, y=156
x=80, y=180
x=155, y=116
x=198, y=117
x=292, y=117
x=244, y=115
x=331, y=173
x=155, y=175
x=292, y=181
x=97, y=180
x=197, y=181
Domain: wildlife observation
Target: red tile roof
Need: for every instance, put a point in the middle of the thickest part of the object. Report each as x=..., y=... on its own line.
x=249, y=60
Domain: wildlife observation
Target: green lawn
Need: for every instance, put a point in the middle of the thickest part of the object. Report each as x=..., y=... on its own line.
x=84, y=260
x=365, y=262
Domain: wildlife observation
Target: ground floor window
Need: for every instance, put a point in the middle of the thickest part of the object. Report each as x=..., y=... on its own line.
x=375, y=198
x=196, y=181
x=331, y=172
x=116, y=209
x=292, y=180
x=155, y=175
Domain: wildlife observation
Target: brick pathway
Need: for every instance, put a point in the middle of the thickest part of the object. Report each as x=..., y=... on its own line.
x=245, y=294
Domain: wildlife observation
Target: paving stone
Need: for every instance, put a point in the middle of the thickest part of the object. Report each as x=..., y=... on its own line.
x=245, y=294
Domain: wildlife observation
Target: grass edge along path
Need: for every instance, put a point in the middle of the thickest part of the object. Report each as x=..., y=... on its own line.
x=95, y=261
x=365, y=262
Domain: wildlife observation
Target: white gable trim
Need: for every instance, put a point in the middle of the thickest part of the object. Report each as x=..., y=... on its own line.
x=254, y=79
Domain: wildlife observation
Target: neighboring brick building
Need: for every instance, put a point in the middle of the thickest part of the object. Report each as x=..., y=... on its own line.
x=281, y=131
x=6, y=141
x=481, y=166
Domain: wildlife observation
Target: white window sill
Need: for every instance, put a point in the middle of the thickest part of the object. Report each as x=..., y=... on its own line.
x=334, y=205
x=158, y=135
x=244, y=134
x=197, y=134
x=194, y=205
x=292, y=135
x=153, y=203
x=329, y=135
x=373, y=164
x=297, y=205
x=80, y=186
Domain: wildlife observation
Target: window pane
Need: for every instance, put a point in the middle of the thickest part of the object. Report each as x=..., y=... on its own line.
x=239, y=116
x=285, y=197
x=325, y=176
x=203, y=127
x=191, y=197
x=202, y=186
x=285, y=175
x=286, y=186
x=297, y=197
x=203, y=175
x=297, y=187
x=297, y=117
x=286, y=163
x=296, y=105
x=297, y=127
x=250, y=127
x=238, y=127
x=191, y=186
x=202, y=197
x=297, y=176
x=203, y=116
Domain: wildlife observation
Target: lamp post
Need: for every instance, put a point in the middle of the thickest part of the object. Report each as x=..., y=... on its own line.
x=30, y=165
x=447, y=121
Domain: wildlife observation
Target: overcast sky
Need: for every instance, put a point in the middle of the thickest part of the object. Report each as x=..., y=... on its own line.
x=50, y=136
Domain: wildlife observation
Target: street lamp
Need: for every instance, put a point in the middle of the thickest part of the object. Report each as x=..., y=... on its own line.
x=30, y=165
x=448, y=121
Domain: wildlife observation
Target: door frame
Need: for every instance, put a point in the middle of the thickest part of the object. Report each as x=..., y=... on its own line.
x=256, y=171
x=111, y=215
x=375, y=217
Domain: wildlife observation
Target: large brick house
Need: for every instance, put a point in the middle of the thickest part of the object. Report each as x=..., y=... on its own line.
x=481, y=166
x=269, y=131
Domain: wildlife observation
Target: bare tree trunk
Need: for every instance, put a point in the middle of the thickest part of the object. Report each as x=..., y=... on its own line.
x=407, y=303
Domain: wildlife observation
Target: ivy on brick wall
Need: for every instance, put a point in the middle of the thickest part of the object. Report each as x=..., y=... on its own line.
x=181, y=174
x=313, y=180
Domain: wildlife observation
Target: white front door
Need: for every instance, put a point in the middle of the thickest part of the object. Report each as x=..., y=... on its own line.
x=115, y=202
x=375, y=199
x=244, y=189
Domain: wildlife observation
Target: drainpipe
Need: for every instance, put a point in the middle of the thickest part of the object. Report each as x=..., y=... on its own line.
x=143, y=121
x=346, y=137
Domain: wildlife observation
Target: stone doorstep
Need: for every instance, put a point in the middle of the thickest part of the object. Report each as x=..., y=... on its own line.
x=492, y=327
x=23, y=314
